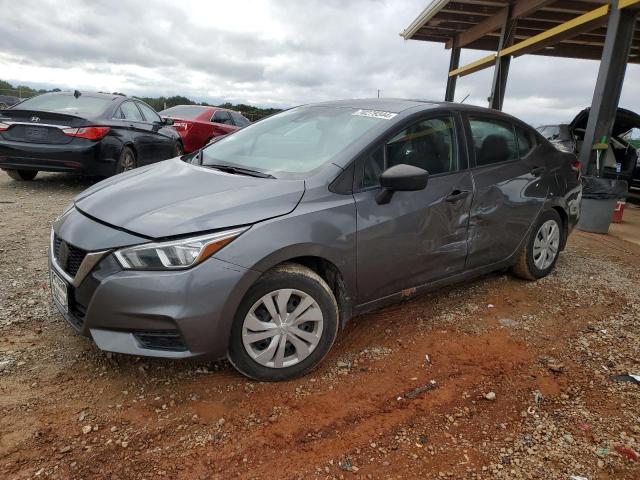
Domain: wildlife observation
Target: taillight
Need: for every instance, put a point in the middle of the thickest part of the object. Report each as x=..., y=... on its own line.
x=90, y=133
x=4, y=126
x=182, y=126
x=576, y=166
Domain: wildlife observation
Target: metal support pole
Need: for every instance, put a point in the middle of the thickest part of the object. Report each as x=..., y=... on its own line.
x=454, y=63
x=606, y=96
x=501, y=70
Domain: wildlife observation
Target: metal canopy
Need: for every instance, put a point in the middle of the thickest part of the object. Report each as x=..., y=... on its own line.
x=604, y=30
x=557, y=28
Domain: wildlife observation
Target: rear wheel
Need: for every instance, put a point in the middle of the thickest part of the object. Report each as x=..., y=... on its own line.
x=22, y=175
x=127, y=160
x=284, y=326
x=540, y=253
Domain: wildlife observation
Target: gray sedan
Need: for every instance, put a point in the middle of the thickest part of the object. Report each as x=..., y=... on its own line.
x=262, y=245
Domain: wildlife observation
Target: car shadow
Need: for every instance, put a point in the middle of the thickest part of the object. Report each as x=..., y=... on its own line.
x=50, y=182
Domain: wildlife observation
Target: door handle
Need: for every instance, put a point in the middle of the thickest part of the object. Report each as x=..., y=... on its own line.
x=537, y=171
x=456, y=195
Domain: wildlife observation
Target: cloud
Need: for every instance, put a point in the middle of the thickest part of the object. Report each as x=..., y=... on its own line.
x=275, y=53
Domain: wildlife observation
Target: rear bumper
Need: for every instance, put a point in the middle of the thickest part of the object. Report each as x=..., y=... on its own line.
x=94, y=158
x=190, y=143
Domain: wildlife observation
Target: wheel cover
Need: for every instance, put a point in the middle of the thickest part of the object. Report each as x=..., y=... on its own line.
x=546, y=244
x=282, y=328
x=127, y=162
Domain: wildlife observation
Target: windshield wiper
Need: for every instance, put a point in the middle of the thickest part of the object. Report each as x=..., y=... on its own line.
x=240, y=171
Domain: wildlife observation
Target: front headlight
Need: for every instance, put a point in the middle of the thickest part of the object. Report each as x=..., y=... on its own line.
x=176, y=254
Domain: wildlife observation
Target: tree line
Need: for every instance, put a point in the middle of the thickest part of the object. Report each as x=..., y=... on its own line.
x=253, y=113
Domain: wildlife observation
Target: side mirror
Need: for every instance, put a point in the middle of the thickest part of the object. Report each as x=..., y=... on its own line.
x=167, y=121
x=401, y=178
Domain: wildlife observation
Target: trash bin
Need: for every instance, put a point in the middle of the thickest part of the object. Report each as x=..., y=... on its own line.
x=599, y=199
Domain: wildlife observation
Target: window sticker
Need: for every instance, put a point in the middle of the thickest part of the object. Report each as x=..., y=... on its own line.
x=375, y=114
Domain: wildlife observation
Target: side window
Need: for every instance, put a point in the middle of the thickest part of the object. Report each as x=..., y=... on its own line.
x=494, y=141
x=526, y=141
x=239, y=120
x=131, y=112
x=149, y=113
x=220, y=116
x=429, y=144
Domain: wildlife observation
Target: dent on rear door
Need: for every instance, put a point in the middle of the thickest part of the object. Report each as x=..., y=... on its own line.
x=507, y=200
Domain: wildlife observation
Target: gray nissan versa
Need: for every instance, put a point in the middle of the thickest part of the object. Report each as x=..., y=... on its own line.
x=261, y=245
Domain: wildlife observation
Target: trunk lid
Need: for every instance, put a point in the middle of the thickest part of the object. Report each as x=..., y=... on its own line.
x=32, y=126
x=625, y=121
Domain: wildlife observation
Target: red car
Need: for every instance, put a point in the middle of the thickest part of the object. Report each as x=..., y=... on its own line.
x=198, y=124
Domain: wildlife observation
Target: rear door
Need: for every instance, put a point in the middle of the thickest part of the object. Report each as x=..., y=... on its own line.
x=510, y=187
x=418, y=236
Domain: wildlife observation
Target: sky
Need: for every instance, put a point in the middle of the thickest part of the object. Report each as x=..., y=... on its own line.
x=269, y=53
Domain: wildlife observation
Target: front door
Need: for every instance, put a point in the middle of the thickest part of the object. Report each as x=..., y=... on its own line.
x=163, y=145
x=140, y=132
x=510, y=188
x=418, y=236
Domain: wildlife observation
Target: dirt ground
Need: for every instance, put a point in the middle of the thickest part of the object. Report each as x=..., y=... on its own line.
x=496, y=378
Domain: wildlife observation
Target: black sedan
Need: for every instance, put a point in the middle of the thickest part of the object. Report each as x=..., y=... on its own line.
x=86, y=133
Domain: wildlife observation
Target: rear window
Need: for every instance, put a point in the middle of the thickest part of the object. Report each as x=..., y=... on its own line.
x=61, y=103
x=184, y=112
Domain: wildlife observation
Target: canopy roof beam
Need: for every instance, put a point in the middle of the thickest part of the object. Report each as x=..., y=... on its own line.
x=583, y=23
x=495, y=22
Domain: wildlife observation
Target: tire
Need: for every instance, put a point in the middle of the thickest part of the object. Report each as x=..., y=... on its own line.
x=22, y=175
x=178, y=150
x=127, y=160
x=299, y=287
x=530, y=264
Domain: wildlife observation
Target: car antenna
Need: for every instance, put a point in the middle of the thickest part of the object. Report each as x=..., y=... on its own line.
x=76, y=93
x=462, y=101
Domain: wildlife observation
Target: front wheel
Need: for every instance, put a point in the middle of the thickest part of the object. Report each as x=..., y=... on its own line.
x=540, y=254
x=22, y=175
x=285, y=325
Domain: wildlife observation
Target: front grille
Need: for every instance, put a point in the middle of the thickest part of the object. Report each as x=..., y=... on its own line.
x=69, y=258
x=161, y=340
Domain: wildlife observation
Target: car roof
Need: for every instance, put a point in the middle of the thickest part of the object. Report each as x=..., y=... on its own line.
x=399, y=105
x=393, y=105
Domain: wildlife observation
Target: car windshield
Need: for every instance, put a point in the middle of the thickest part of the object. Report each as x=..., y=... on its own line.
x=184, y=112
x=69, y=104
x=293, y=142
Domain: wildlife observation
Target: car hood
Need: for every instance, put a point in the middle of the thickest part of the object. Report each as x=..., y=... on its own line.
x=176, y=198
x=625, y=121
